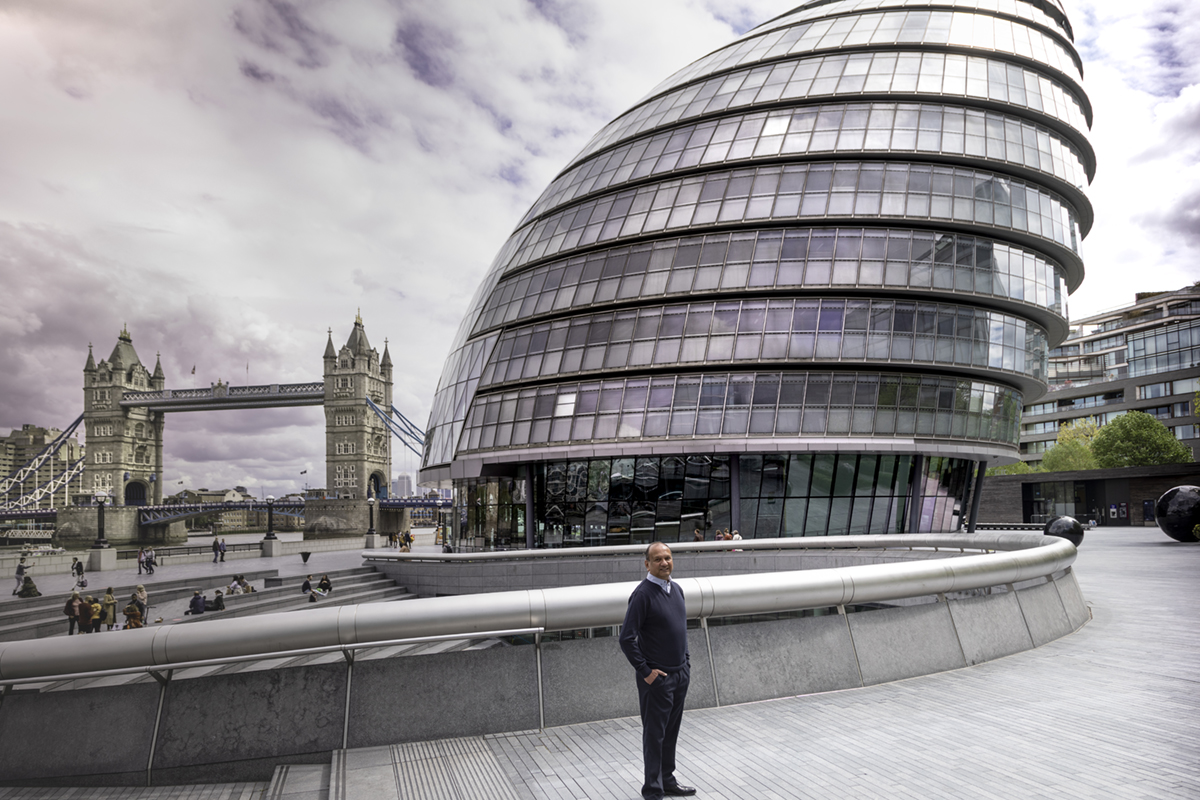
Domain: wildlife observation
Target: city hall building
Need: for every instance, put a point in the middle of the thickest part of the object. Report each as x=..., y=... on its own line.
x=804, y=287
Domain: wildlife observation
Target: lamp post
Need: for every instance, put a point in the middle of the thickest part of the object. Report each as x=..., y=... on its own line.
x=371, y=516
x=270, y=518
x=100, y=542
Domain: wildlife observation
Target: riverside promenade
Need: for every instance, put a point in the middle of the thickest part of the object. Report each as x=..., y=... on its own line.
x=1112, y=711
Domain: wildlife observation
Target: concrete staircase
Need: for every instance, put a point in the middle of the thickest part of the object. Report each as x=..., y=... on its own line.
x=350, y=586
x=447, y=769
x=38, y=617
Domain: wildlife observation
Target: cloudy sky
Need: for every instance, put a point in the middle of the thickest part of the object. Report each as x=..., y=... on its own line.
x=233, y=178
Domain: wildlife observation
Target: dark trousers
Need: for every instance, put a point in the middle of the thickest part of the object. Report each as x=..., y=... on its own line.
x=661, y=705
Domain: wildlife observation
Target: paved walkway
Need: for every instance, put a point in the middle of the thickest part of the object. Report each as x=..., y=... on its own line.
x=1112, y=711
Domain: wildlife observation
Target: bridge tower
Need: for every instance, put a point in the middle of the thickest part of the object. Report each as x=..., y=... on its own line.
x=357, y=445
x=124, y=445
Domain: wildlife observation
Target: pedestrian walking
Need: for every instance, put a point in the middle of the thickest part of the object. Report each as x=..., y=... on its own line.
x=141, y=559
x=109, y=606
x=222, y=550
x=71, y=609
x=77, y=571
x=150, y=561
x=21, y=570
x=216, y=548
x=654, y=639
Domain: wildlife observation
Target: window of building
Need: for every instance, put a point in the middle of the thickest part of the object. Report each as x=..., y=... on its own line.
x=1152, y=390
x=1185, y=431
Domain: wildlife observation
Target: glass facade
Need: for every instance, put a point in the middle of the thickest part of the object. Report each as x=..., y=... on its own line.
x=826, y=128
x=637, y=500
x=896, y=260
x=1165, y=349
x=804, y=287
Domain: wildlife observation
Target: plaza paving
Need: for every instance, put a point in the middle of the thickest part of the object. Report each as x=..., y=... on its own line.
x=1112, y=711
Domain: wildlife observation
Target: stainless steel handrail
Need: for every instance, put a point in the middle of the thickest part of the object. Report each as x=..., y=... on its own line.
x=308, y=651
x=935, y=541
x=1019, y=557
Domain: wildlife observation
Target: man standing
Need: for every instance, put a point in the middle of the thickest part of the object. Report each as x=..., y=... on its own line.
x=222, y=549
x=216, y=548
x=654, y=639
x=20, y=575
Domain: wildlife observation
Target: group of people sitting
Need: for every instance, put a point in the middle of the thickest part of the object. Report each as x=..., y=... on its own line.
x=200, y=604
x=88, y=614
x=324, y=588
x=239, y=585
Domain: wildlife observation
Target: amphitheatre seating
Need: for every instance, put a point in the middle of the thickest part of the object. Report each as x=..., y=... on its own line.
x=38, y=617
x=350, y=586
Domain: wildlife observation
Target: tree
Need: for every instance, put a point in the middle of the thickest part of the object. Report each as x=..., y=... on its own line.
x=1073, y=447
x=1080, y=430
x=1136, y=439
x=1019, y=468
x=1067, y=456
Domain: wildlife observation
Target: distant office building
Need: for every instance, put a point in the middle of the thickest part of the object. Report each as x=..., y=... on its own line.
x=803, y=287
x=20, y=447
x=402, y=486
x=1140, y=357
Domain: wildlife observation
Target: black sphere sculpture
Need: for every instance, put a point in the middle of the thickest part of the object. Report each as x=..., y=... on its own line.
x=1065, y=527
x=1178, y=513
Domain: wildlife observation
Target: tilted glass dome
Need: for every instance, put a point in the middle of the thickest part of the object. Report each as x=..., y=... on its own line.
x=819, y=268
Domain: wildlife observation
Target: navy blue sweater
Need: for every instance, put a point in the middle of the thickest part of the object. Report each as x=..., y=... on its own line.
x=654, y=634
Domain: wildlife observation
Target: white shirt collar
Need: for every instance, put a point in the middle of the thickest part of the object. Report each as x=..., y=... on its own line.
x=666, y=585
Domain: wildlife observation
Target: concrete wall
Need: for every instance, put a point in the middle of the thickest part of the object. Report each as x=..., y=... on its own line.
x=77, y=525
x=433, y=578
x=231, y=725
x=1001, y=498
x=346, y=517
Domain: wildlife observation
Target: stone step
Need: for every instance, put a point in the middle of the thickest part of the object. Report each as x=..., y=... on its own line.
x=341, y=579
x=296, y=580
x=298, y=602
x=299, y=782
x=463, y=769
x=42, y=616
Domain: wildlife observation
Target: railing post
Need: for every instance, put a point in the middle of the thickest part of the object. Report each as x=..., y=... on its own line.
x=537, y=644
x=163, y=682
x=349, y=656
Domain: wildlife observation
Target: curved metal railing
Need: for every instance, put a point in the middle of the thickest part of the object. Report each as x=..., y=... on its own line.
x=1017, y=557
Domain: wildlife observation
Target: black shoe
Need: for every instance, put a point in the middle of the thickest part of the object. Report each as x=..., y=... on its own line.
x=678, y=791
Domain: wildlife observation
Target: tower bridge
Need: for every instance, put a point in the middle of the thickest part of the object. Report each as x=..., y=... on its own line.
x=125, y=408
x=124, y=418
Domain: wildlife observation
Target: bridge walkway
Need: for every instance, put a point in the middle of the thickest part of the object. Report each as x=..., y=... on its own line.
x=1111, y=711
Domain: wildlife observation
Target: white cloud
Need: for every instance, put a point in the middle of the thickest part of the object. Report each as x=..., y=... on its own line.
x=231, y=178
